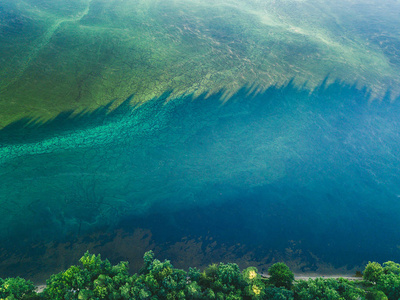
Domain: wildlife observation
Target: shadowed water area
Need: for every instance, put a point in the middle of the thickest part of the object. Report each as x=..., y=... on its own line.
x=311, y=178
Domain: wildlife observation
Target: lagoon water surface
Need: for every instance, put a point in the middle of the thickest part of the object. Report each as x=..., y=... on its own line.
x=205, y=131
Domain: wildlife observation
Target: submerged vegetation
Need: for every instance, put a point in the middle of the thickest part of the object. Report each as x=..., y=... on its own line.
x=80, y=54
x=95, y=278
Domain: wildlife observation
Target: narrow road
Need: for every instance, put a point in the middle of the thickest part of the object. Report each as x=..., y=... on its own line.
x=306, y=277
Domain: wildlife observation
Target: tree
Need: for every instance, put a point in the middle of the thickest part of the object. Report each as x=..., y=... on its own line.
x=230, y=274
x=330, y=289
x=275, y=293
x=16, y=288
x=373, y=271
x=373, y=294
x=391, y=267
x=160, y=280
x=250, y=274
x=390, y=285
x=280, y=275
x=93, y=279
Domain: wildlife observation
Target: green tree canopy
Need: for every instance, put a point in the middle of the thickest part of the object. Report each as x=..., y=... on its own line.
x=373, y=271
x=280, y=275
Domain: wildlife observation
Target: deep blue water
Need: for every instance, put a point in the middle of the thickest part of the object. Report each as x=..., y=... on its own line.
x=308, y=178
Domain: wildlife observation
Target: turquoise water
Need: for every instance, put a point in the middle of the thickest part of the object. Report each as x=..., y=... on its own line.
x=205, y=130
x=310, y=178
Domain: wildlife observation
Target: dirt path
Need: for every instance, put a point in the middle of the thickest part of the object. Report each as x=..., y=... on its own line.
x=306, y=277
x=315, y=276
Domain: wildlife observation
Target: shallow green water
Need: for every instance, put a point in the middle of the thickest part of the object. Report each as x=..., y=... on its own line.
x=62, y=55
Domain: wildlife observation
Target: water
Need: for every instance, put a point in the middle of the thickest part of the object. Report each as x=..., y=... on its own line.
x=308, y=178
x=177, y=129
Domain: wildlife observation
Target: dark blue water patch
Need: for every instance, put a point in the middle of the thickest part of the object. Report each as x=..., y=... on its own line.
x=335, y=231
x=265, y=170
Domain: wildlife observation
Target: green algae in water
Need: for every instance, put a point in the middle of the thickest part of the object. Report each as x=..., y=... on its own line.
x=80, y=55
